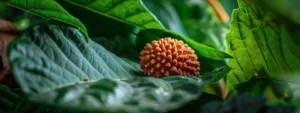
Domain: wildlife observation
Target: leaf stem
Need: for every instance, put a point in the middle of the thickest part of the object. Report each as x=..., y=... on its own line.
x=217, y=7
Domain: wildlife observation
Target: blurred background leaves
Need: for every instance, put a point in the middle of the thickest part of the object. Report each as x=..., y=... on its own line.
x=197, y=20
x=191, y=18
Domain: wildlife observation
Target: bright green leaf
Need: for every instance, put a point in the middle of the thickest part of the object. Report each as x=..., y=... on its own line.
x=257, y=44
x=48, y=9
x=128, y=11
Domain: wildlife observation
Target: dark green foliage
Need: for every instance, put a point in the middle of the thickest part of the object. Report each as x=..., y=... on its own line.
x=276, y=92
x=194, y=106
x=41, y=63
x=244, y=104
x=10, y=98
x=59, y=71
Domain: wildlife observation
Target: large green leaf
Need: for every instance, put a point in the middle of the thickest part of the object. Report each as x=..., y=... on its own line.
x=136, y=95
x=258, y=44
x=98, y=25
x=209, y=58
x=128, y=11
x=49, y=9
x=55, y=66
x=49, y=56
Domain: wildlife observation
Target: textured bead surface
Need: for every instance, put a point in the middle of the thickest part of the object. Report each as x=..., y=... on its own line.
x=169, y=57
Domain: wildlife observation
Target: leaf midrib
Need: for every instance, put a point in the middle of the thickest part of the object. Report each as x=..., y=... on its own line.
x=106, y=15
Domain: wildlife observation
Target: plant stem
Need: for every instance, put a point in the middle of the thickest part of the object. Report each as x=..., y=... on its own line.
x=217, y=7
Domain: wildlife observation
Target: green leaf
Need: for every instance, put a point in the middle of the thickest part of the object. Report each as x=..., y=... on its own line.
x=48, y=56
x=166, y=14
x=284, y=8
x=128, y=11
x=98, y=25
x=209, y=57
x=136, y=95
x=49, y=9
x=257, y=44
x=218, y=74
x=56, y=67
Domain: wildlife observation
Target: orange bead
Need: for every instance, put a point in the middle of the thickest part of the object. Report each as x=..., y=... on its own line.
x=169, y=56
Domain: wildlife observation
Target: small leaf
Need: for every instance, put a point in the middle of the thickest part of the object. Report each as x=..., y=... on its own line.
x=49, y=9
x=218, y=74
